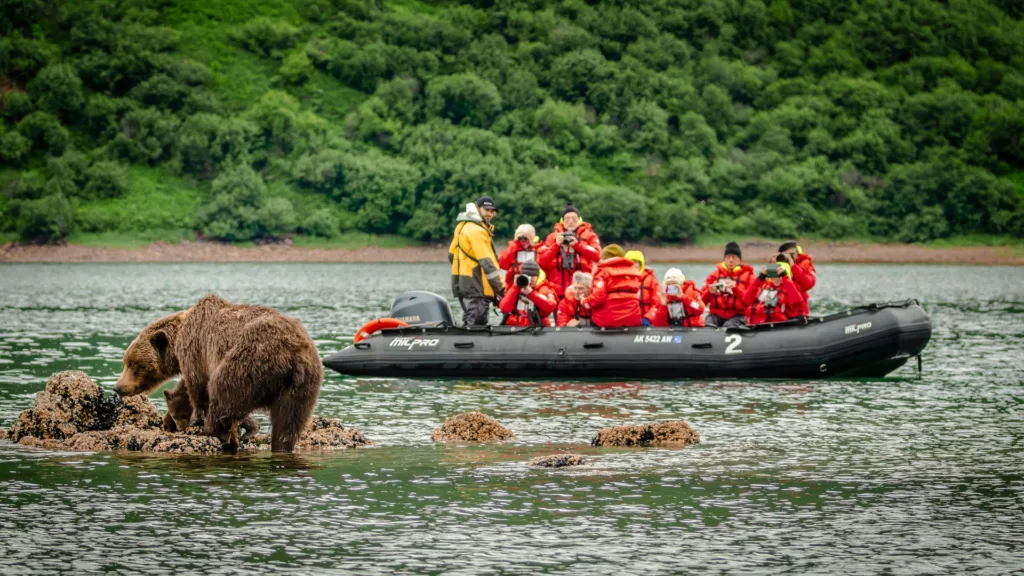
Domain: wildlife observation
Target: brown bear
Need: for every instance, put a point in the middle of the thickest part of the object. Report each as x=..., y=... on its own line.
x=233, y=359
x=179, y=413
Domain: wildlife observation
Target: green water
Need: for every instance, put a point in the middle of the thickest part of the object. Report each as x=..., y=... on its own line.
x=906, y=475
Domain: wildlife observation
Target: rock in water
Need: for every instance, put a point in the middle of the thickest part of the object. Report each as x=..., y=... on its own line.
x=144, y=440
x=70, y=403
x=557, y=461
x=674, y=434
x=72, y=413
x=321, y=434
x=471, y=427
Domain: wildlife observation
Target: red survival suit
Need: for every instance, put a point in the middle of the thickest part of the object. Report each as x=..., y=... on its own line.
x=685, y=309
x=510, y=262
x=541, y=303
x=649, y=291
x=770, y=303
x=585, y=254
x=725, y=305
x=571, y=309
x=614, y=300
x=804, y=275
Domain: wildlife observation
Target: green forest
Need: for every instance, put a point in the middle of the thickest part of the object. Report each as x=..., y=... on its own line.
x=663, y=120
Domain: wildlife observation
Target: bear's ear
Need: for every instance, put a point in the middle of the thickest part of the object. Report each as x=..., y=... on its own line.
x=167, y=395
x=159, y=342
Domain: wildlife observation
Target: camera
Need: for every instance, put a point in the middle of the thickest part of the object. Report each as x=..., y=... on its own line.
x=568, y=237
x=721, y=285
x=672, y=290
x=522, y=280
x=522, y=239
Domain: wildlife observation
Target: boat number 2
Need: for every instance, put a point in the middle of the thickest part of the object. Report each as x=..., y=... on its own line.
x=734, y=341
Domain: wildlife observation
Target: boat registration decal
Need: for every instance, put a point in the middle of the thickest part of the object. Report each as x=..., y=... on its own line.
x=857, y=328
x=410, y=343
x=657, y=339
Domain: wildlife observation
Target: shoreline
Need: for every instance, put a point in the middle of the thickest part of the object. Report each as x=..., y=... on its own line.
x=754, y=251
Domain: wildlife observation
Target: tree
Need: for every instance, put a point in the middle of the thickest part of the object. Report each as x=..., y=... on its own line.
x=463, y=98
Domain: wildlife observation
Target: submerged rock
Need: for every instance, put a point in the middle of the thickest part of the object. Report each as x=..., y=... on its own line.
x=675, y=434
x=73, y=413
x=471, y=427
x=557, y=461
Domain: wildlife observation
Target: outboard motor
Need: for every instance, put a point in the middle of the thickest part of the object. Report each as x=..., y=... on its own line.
x=420, y=308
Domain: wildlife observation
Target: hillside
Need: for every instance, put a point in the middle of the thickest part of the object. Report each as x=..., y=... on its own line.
x=663, y=120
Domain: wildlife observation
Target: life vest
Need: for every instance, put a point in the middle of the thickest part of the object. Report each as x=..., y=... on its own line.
x=532, y=310
x=727, y=304
x=559, y=263
x=571, y=309
x=771, y=303
x=649, y=289
x=614, y=298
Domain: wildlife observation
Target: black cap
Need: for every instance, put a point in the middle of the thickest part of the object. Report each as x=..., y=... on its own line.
x=733, y=248
x=486, y=202
x=530, y=268
x=570, y=208
x=788, y=245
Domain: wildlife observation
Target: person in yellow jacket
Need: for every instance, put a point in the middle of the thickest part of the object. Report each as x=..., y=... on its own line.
x=476, y=278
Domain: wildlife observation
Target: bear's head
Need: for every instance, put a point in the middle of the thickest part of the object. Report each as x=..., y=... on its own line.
x=179, y=409
x=149, y=360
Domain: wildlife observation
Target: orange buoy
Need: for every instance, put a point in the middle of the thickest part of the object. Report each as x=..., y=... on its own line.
x=377, y=325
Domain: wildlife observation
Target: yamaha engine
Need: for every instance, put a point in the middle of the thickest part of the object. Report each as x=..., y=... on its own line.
x=419, y=308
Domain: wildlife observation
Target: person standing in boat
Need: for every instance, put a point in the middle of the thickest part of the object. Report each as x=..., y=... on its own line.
x=522, y=248
x=649, y=288
x=680, y=303
x=614, y=299
x=572, y=247
x=725, y=288
x=570, y=313
x=804, y=274
x=529, y=300
x=773, y=296
x=476, y=278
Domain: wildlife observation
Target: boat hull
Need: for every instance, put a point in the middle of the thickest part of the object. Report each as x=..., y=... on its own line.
x=867, y=342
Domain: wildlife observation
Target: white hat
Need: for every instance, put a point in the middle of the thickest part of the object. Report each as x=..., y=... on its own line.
x=526, y=230
x=674, y=275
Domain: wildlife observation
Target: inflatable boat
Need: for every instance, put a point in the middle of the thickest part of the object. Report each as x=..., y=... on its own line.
x=866, y=342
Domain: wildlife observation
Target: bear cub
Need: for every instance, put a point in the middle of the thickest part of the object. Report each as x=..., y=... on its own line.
x=179, y=413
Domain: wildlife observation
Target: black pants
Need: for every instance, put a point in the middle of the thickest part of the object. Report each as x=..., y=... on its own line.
x=718, y=322
x=475, y=311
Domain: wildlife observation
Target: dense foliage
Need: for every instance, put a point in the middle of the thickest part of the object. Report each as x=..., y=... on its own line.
x=661, y=119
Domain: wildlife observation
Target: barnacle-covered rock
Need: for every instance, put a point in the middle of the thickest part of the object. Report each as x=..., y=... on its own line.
x=663, y=434
x=557, y=461
x=471, y=427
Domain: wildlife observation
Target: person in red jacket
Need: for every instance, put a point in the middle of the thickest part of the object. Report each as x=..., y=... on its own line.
x=679, y=305
x=804, y=274
x=522, y=248
x=570, y=313
x=775, y=298
x=649, y=288
x=529, y=300
x=614, y=299
x=725, y=287
x=571, y=248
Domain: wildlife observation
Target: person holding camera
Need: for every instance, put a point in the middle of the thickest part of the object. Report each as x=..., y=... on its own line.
x=804, y=274
x=570, y=313
x=773, y=296
x=679, y=303
x=725, y=288
x=571, y=248
x=522, y=248
x=529, y=300
x=476, y=278
x=614, y=300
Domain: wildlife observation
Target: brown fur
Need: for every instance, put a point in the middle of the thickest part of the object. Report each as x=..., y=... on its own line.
x=179, y=413
x=233, y=359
